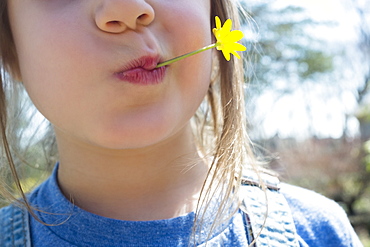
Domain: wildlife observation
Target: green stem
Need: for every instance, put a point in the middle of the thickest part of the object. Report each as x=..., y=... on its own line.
x=187, y=55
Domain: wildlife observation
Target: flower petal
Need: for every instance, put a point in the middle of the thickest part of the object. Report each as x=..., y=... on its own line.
x=235, y=54
x=237, y=47
x=226, y=54
x=227, y=25
x=218, y=22
x=234, y=36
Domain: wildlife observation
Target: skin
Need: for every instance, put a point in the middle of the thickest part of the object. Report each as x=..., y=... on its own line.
x=126, y=151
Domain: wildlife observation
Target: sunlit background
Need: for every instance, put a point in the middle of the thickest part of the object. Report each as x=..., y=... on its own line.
x=325, y=103
x=308, y=96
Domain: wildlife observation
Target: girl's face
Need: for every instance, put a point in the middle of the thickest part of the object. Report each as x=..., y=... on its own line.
x=82, y=62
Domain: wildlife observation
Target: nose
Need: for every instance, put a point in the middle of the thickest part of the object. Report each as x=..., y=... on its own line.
x=115, y=16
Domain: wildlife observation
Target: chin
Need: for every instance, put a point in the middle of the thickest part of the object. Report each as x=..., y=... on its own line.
x=132, y=140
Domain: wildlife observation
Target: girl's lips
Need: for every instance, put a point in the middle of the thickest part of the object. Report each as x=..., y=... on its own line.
x=142, y=71
x=142, y=76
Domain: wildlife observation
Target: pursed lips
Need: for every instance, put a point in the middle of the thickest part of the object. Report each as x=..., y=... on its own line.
x=142, y=71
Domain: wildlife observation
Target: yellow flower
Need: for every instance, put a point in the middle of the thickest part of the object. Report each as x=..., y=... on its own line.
x=226, y=39
x=226, y=42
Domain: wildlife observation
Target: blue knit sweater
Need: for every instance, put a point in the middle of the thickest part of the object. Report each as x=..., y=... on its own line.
x=320, y=222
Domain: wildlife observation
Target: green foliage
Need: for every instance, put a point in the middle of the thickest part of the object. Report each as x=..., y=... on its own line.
x=366, y=159
x=33, y=148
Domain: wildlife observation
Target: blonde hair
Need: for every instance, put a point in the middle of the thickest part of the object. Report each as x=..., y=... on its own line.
x=220, y=122
x=221, y=126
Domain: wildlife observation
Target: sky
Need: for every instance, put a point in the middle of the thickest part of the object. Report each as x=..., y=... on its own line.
x=330, y=10
x=320, y=9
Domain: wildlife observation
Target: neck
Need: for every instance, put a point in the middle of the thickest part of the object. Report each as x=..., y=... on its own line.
x=156, y=182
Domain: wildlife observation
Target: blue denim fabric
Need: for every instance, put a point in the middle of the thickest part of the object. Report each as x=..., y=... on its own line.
x=271, y=221
x=271, y=225
x=14, y=227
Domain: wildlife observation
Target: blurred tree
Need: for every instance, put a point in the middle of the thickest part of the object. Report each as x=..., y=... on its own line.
x=281, y=49
x=32, y=143
x=362, y=9
x=283, y=56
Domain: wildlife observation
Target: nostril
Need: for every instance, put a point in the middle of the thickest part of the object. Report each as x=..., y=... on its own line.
x=143, y=16
x=114, y=24
x=144, y=19
x=114, y=18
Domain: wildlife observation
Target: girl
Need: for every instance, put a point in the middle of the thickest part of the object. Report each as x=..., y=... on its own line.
x=140, y=162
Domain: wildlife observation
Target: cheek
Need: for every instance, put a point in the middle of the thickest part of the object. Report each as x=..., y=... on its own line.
x=187, y=25
x=190, y=31
x=49, y=56
x=196, y=76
